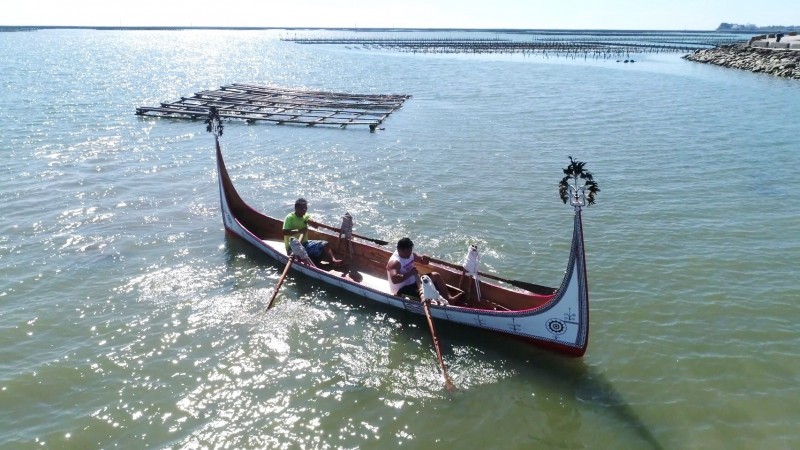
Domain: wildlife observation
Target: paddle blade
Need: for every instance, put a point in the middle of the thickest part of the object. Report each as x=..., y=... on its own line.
x=280, y=282
x=447, y=383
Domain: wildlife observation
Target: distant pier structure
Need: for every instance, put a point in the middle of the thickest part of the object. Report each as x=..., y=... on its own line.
x=568, y=44
x=253, y=102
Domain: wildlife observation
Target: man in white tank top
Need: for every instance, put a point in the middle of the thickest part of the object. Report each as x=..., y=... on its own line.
x=403, y=275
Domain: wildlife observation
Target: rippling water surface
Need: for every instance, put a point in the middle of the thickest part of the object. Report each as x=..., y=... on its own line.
x=130, y=320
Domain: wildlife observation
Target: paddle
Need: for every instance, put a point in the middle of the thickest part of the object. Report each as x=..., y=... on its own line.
x=283, y=276
x=447, y=383
x=338, y=230
x=280, y=282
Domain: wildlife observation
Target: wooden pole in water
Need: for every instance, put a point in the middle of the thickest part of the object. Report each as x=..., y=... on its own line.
x=447, y=383
x=283, y=276
x=280, y=282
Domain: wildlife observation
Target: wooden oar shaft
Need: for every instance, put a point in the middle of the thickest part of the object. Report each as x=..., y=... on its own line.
x=339, y=230
x=280, y=282
x=283, y=276
x=447, y=383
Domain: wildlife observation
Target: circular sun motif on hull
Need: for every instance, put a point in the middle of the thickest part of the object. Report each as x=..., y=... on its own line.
x=556, y=326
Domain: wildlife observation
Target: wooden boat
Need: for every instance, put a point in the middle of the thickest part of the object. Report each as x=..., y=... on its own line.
x=555, y=318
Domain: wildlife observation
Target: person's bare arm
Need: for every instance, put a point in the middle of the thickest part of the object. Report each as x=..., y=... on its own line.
x=395, y=276
x=296, y=231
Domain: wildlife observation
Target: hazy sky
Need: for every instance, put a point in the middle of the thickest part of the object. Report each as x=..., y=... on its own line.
x=592, y=14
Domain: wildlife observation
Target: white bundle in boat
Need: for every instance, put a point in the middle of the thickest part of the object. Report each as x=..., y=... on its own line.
x=471, y=263
x=299, y=251
x=429, y=291
x=346, y=229
x=472, y=260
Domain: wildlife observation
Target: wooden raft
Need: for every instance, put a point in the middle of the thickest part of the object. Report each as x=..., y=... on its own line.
x=274, y=104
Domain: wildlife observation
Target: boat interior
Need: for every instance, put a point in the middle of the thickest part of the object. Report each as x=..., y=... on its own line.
x=366, y=262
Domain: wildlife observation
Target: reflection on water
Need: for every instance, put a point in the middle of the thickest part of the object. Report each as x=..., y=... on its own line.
x=130, y=319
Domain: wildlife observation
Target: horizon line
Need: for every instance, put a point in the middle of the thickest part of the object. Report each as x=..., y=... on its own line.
x=253, y=28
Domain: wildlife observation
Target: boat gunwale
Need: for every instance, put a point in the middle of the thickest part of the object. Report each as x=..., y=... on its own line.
x=528, y=329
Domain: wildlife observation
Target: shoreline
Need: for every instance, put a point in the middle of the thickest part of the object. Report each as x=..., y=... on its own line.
x=776, y=62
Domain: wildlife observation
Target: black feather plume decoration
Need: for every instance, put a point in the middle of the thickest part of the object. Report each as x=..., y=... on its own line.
x=213, y=116
x=576, y=169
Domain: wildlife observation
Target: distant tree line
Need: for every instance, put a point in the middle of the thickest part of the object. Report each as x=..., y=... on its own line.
x=725, y=26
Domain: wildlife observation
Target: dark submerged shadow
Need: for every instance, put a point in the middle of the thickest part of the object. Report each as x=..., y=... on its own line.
x=571, y=377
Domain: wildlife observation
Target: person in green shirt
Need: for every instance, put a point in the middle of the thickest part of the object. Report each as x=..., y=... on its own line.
x=296, y=223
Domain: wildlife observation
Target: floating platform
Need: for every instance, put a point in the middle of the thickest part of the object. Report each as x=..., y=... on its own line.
x=252, y=102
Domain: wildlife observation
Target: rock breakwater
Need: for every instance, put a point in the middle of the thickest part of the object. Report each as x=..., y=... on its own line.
x=780, y=63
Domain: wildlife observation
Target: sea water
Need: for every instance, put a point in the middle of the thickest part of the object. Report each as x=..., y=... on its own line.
x=130, y=320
